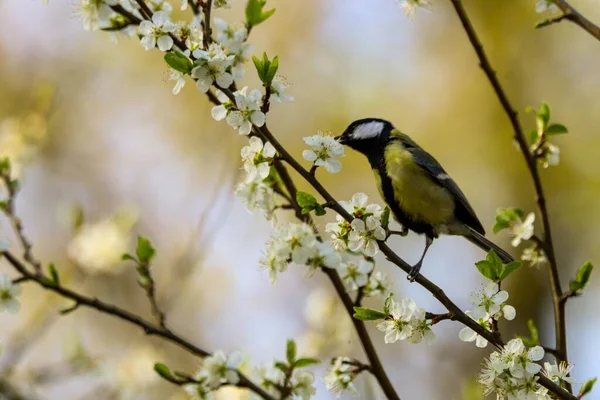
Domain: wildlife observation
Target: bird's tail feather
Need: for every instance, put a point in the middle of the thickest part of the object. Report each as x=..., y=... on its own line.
x=485, y=244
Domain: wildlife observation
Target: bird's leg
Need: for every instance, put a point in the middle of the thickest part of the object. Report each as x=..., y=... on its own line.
x=414, y=272
x=403, y=232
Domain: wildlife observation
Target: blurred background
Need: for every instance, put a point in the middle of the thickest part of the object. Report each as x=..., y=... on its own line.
x=99, y=131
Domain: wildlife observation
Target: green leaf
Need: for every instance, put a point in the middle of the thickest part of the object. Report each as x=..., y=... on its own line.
x=144, y=251
x=587, y=387
x=5, y=165
x=367, y=314
x=255, y=14
x=281, y=366
x=491, y=267
x=320, y=210
x=179, y=62
x=533, y=339
x=128, y=257
x=54, y=274
x=506, y=216
x=290, y=352
x=542, y=23
x=308, y=203
x=486, y=269
x=533, y=136
x=163, y=371
x=274, y=65
x=582, y=278
x=259, y=67
x=544, y=114
x=385, y=217
x=509, y=268
x=387, y=303
x=305, y=362
x=556, y=129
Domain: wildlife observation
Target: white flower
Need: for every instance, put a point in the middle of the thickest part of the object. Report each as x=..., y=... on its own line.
x=278, y=88
x=98, y=247
x=545, y=5
x=302, y=384
x=360, y=208
x=534, y=255
x=339, y=232
x=356, y=275
x=410, y=6
x=551, y=155
x=95, y=13
x=229, y=36
x=421, y=330
x=222, y=3
x=521, y=361
x=220, y=368
x=257, y=159
x=399, y=327
x=523, y=230
x=257, y=195
x=364, y=235
x=220, y=112
x=248, y=111
x=324, y=150
x=559, y=372
x=270, y=378
x=340, y=375
x=491, y=301
x=157, y=32
x=160, y=5
x=212, y=68
x=324, y=255
x=8, y=295
x=378, y=285
x=179, y=79
x=467, y=334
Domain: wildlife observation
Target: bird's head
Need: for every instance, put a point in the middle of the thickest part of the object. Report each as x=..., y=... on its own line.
x=366, y=135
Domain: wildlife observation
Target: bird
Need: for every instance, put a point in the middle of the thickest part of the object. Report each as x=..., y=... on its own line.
x=420, y=194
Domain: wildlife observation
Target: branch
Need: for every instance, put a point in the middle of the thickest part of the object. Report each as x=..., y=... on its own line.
x=106, y=308
x=519, y=135
x=574, y=16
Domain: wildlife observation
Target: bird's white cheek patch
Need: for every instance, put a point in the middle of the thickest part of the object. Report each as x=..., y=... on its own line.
x=368, y=130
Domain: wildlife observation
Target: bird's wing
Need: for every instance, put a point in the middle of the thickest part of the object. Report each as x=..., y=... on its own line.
x=464, y=210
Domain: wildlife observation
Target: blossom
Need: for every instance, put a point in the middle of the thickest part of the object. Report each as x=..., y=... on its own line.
x=559, y=372
x=248, y=111
x=364, y=235
x=179, y=78
x=98, y=247
x=378, y=284
x=534, y=255
x=160, y=5
x=356, y=275
x=255, y=195
x=490, y=300
x=467, y=334
x=156, y=32
x=340, y=375
x=339, y=232
x=212, y=67
x=421, y=330
x=270, y=378
x=323, y=255
x=399, y=327
x=278, y=88
x=8, y=295
x=95, y=12
x=523, y=230
x=257, y=158
x=302, y=384
x=550, y=155
x=545, y=5
x=410, y=6
x=228, y=35
x=324, y=150
x=220, y=112
x=359, y=206
x=510, y=373
x=221, y=369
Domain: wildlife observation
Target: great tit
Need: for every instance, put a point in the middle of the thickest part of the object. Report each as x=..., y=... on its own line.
x=420, y=194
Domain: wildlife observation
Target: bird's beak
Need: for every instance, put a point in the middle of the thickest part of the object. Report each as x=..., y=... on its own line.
x=341, y=139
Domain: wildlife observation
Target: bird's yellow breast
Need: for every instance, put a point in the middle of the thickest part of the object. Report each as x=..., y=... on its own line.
x=419, y=196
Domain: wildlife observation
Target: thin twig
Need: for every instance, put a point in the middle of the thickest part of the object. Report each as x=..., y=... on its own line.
x=207, y=37
x=574, y=16
x=106, y=308
x=519, y=135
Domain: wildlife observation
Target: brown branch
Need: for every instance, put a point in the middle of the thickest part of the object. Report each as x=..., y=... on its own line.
x=574, y=16
x=519, y=135
x=207, y=37
x=132, y=18
x=109, y=309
